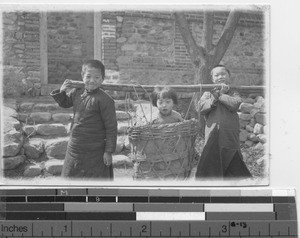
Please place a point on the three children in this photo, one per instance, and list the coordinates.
(94, 128)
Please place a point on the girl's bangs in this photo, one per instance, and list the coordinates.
(164, 94)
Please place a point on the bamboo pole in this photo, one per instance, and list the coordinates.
(179, 88)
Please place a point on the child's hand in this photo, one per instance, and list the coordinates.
(215, 92)
(66, 85)
(107, 158)
(224, 89)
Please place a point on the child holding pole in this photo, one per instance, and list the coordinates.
(94, 127)
(221, 156)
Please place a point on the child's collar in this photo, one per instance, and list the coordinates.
(89, 92)
(86, 92)
(165, 115)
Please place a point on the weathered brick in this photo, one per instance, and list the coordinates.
(244, 56)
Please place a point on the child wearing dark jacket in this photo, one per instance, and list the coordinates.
(94, 128)
(221, 156)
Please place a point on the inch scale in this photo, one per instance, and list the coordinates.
(148, 229)
(127, 212)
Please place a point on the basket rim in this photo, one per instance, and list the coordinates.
(191, 121)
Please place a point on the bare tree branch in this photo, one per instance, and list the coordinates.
(226, 36)
(196, 53)
(204, 57)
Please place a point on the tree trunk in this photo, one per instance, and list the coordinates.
(195, 52)
(208, 25)
(226, 36)
(205, 74)
(206, 56)
(201, 74)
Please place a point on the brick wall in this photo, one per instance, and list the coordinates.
(150, 50)
(21, 52)
(70, 41)
(21, 40)
(138, 46)
(109, 41)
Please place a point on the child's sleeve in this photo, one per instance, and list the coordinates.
(63, 99)
(207, 103)
(108, 113)
(232, 102)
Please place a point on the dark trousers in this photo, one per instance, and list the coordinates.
(216, 162)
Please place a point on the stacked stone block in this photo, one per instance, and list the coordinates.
(37, 135)
(253, 122)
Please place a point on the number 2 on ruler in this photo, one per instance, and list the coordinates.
(144, 228)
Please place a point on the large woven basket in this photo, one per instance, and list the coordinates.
(164, 151)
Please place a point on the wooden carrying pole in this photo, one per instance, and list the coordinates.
(181, 88)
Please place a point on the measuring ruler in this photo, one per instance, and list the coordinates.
(147, 212)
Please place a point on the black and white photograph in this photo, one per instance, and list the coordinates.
(136, 95)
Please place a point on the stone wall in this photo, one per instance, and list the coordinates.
(36, 134)
(149, 48)
(253, 121)
(70, 41)
(21, 52)
(138, 47)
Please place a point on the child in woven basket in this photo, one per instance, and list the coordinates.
(164, 99)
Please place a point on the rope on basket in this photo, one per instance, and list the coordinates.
(192, 100)
(137, 96)
(127, 107)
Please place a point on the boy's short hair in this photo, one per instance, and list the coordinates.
(97, 64)
(163, 92)
(222, 66)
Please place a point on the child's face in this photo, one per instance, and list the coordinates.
(220, 75)
(165, 106)
(92, 78)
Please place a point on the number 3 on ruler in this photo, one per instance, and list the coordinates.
(224, 228)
